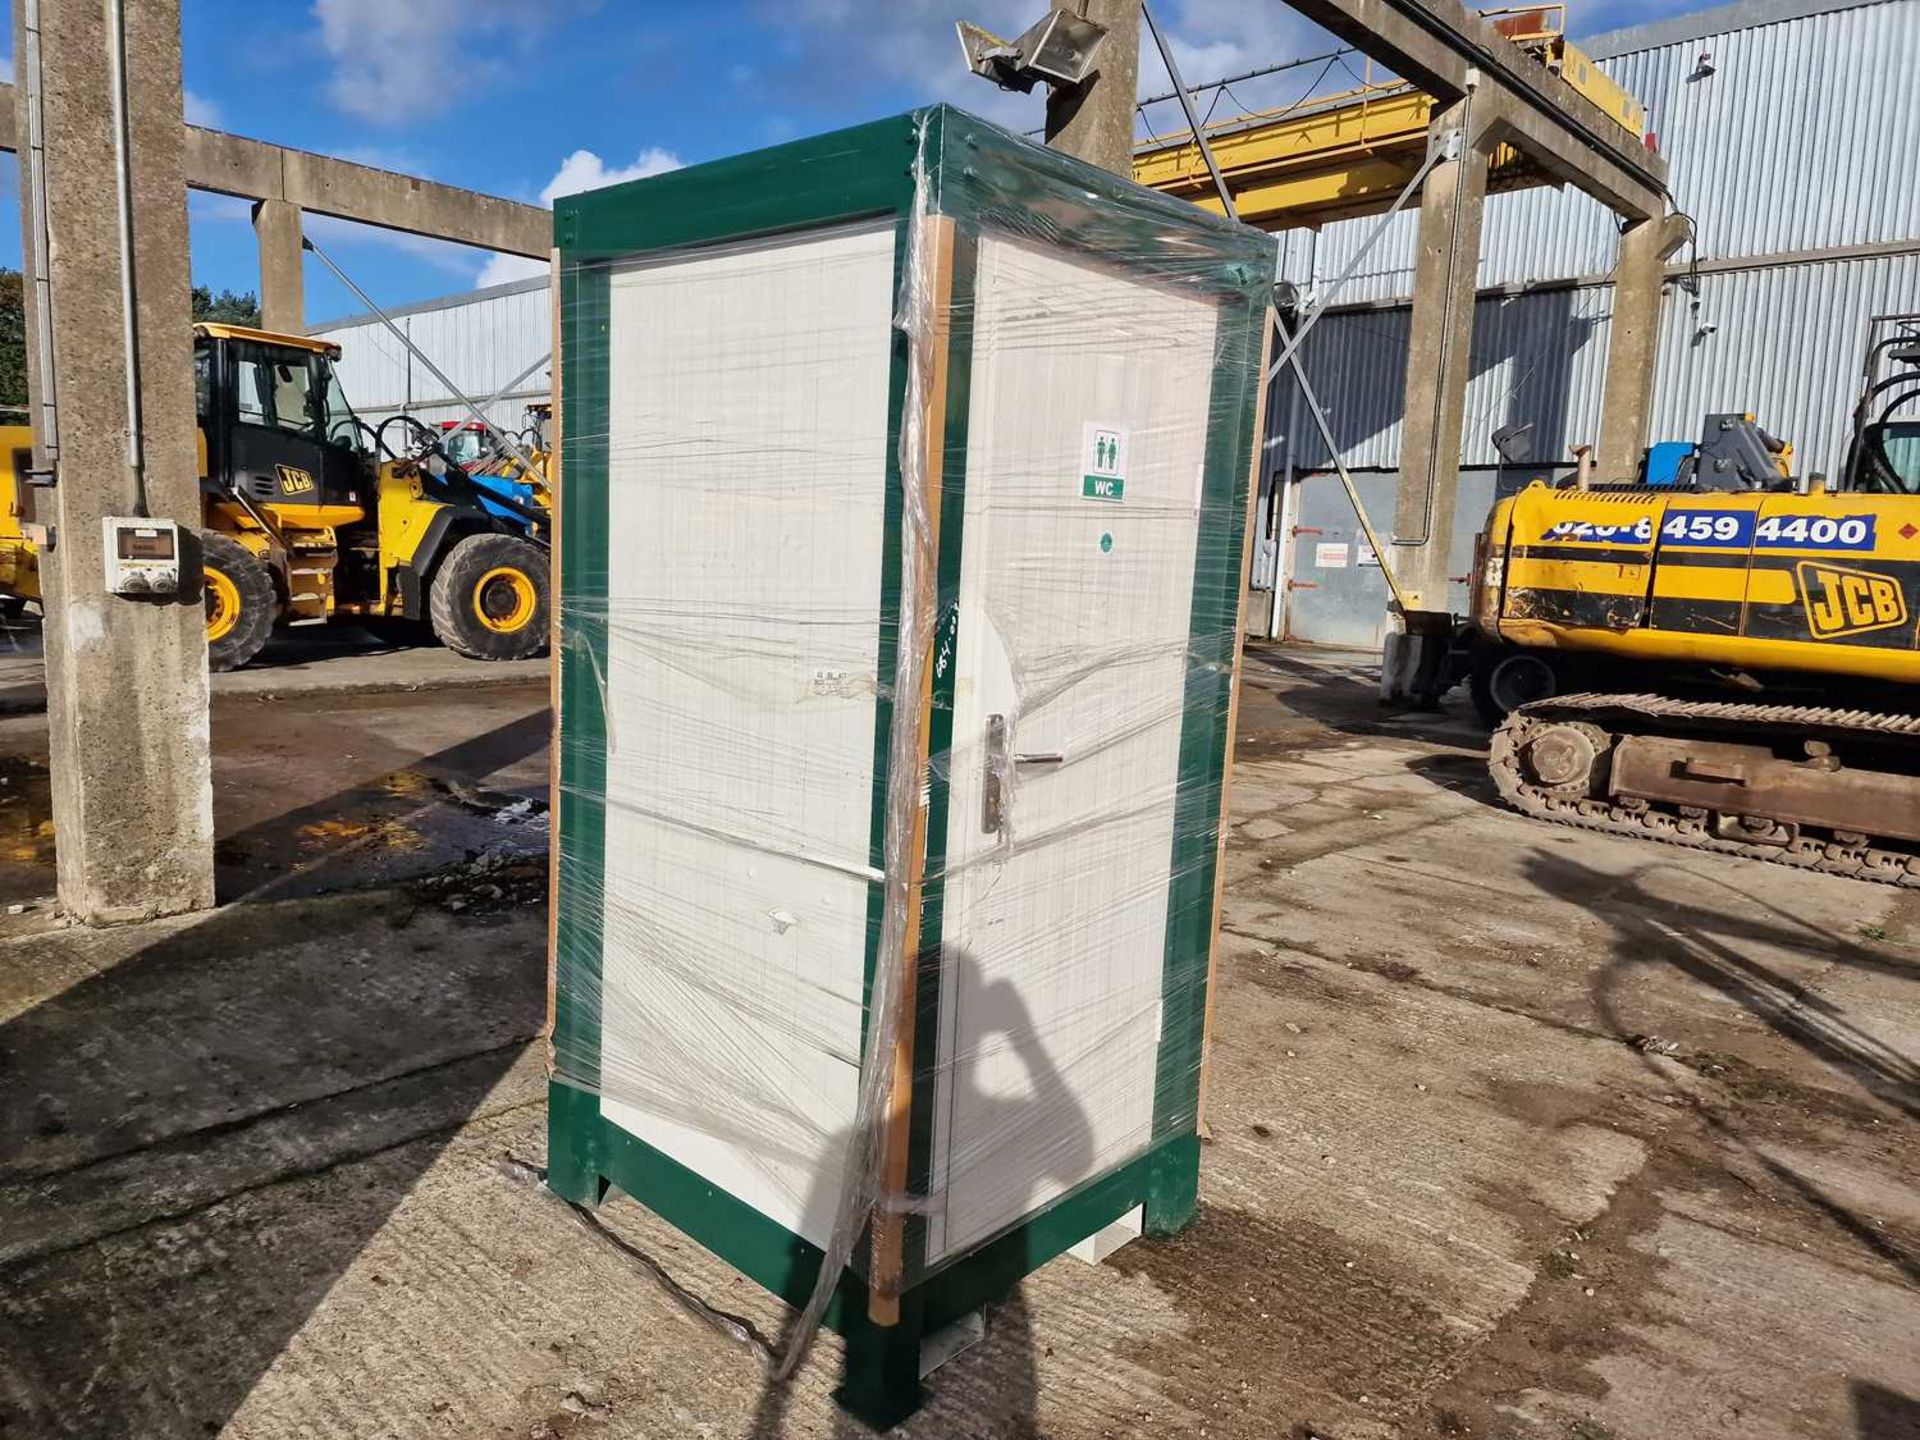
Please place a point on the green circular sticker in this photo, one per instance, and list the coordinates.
(1106, 543)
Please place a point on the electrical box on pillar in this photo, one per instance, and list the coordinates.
(887, 852)
(142, 556)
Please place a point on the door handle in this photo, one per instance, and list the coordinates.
(999, 766)
(993, 782)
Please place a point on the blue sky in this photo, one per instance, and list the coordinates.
(526, 97)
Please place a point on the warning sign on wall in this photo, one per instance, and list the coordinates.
(1103, 461)
(1330, 556)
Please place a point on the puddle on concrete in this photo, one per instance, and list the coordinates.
(387, 834)
(26, 829)
(396, 827)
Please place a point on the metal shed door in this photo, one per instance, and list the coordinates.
(1086, 435)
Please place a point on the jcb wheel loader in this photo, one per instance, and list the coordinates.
(309, 514)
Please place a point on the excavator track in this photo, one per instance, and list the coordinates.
(1602, 719)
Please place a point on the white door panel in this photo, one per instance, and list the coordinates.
(747, 459)
(1073, 629)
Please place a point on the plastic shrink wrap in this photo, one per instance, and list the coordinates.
(904, 493)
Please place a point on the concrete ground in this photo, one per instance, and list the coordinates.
(335, 762)
(335, 659)
(1515, 1132)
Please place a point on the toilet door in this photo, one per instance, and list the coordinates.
(1086, 437)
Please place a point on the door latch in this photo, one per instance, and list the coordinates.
(999, 763)
(993, 782)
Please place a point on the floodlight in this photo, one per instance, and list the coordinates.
(1059, 50)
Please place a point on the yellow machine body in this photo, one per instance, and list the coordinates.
(19, 561)
(406, 516)
(1822, 582)
(325, 532)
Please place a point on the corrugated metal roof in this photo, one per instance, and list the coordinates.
(1679, 29)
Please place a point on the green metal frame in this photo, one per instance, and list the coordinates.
(983, 179)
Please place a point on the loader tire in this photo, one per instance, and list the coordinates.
(241, 605)
(490, 598)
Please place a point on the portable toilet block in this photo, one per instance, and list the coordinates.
(904, 493)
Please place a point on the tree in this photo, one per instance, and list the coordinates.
(229, 307)
(13, 341)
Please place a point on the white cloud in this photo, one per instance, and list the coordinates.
(500, 269)
(582, 170)
(378, 48)
(202, 111)
(222, 209)
(6, 68)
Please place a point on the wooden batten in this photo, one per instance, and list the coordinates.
(1233, 719)
(934, 246)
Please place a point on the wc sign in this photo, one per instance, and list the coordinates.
(1103, 462)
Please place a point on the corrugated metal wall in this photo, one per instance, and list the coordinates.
(1335, 595)
(481, 341)
(1802, 138)
(1784, 342)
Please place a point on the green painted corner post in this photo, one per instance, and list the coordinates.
(573, 1150)
(880, 1383)
(1173, 1187)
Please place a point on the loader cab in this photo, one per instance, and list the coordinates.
(1883, 456)
(465, 444)
(1887, 459)
(279, 432)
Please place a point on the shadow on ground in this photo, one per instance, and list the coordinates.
(1294, 699)
(1882, 1414)
(1716, 949)
(187, 1066)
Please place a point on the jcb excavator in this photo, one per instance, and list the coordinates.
(1730, 660)
(308, 513)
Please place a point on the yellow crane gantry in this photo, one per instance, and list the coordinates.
(1351, 153)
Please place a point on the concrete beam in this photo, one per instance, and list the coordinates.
(283, 278)
(1633, 341)
(1441, 45)
(126, 677)
(321, 185)
(1095, 121)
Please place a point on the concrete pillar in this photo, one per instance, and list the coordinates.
(1633, 343)
(1438, 366)
(126, 678)
(283, 290)
(1095, 121)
